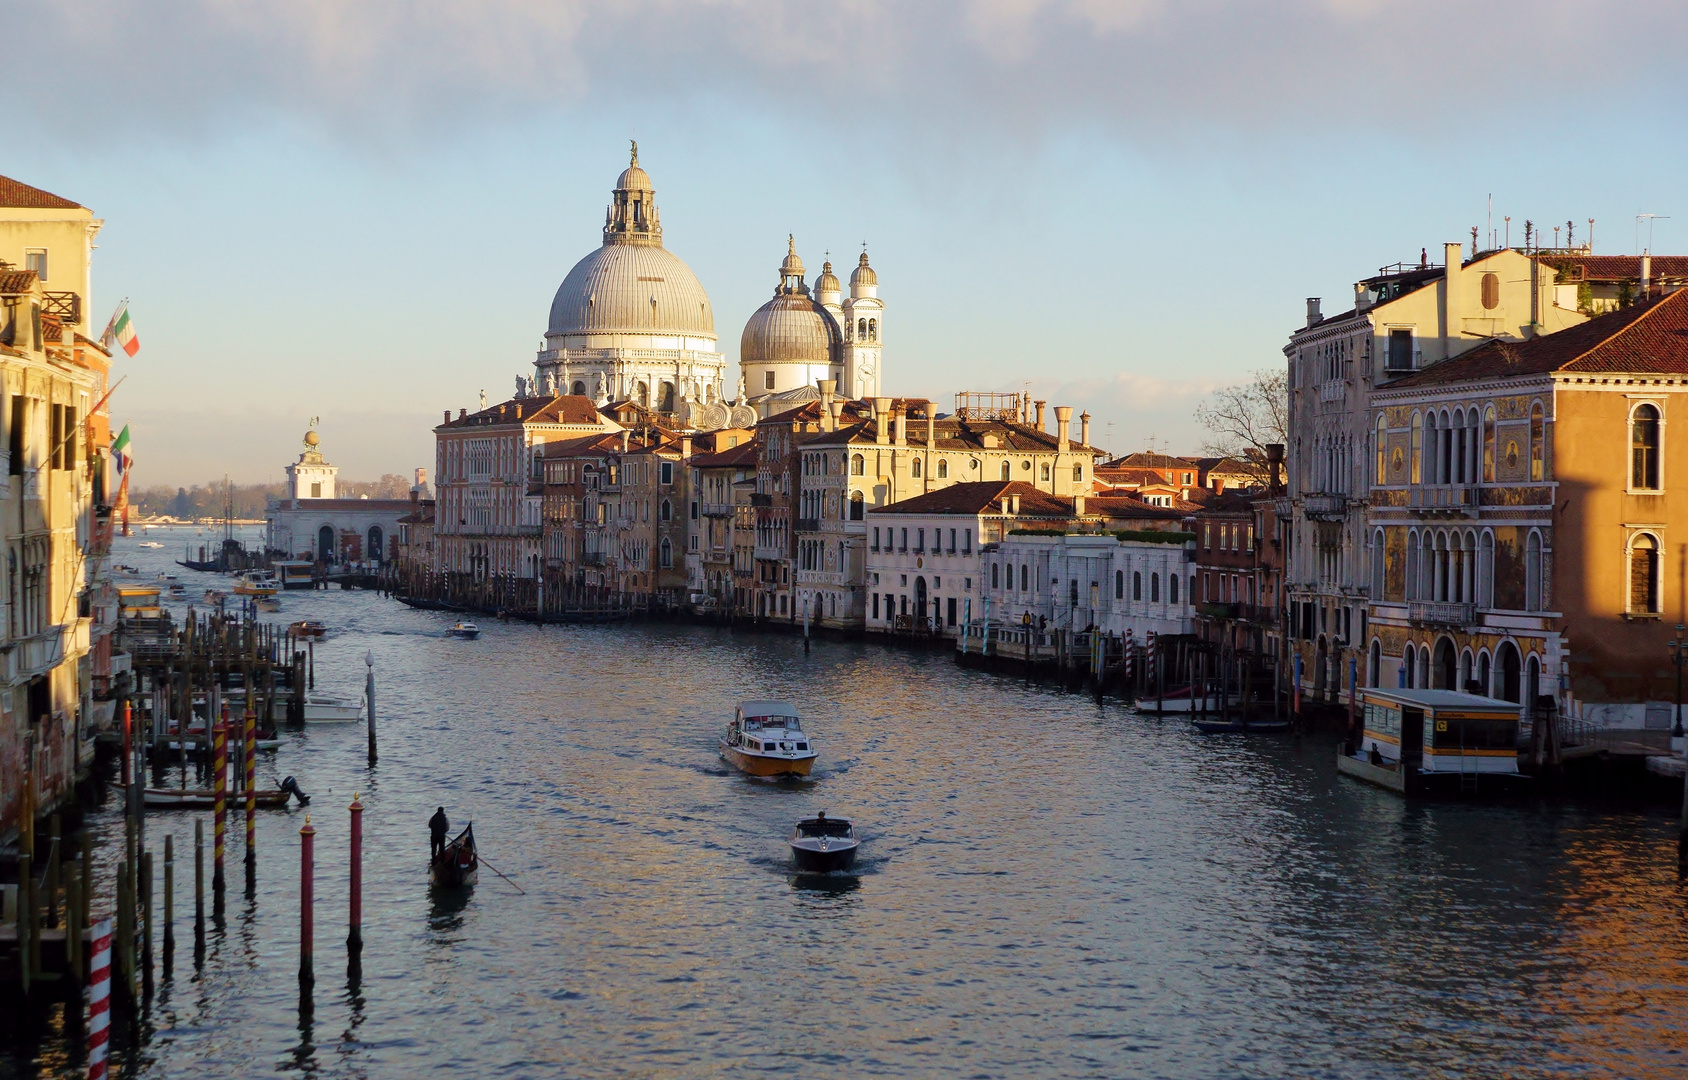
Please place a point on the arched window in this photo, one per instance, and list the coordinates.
(1532, 573)
(667, 512)
(373, 550)
(1490, 291)
(1007, 473)
(1644, 575)
(1417, 455)
(1377, 566)
(1172, 588)
(578, 389)
(1078, 474)
(943, 469)
(1538, 442)
(914, 469)
(1644, 448)
(1483, 674)
(1025, 578)
(1119, 584)
(858, 467)
(1044, 472)
(1489, 444)
(996, 575)
(873, 329)
(1464, 671)
(1412, 565)
(1486, 571)
(1376, 664)
(1137, 584)
(1508, 661)
(643, 393)
(1154, 588)
(861, 329)
(667, 553)
(858, 506)
(1409, 664)
(1380, 470)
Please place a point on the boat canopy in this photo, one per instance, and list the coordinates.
(764, 710)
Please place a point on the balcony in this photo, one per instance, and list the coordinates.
(66, 305)
(808, 524)
(717, 510)
(1325, 507)
(1444, 500)
(1441, 613)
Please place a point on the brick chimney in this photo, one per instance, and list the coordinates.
(1039, 405)
(447, 419)
(1084, 429)
(1063, 423)
(685, 448)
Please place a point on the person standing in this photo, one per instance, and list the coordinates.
(438, 826)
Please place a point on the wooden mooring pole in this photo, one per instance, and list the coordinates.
(307, 968)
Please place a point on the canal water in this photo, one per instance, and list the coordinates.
(1048, 888)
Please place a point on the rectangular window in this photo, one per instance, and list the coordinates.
(876, 607)
(952, 542)
(36, 259)
(919, 540)
(1400, 350)
(316, 490)
(904, 546)
(949, 611)
(876, 538)
(668, 472)
(967, 541)
(767, 380)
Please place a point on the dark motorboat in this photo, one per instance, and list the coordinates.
(820, 844)
(1221, 727)
(457, 864)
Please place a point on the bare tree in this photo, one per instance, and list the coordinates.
(1241, 421)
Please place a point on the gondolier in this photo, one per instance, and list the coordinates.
(438, 826)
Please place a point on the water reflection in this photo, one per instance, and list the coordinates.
(1046, 889)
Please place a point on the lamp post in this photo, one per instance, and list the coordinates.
(1678, 653)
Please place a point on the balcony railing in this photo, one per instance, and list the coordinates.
(1441, 613)
(1324, 505)
(1449, 498)
(66, 305)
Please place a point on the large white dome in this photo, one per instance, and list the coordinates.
(631, 288)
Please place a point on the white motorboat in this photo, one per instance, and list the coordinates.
(332, 710)
(767, 739)
(466, 630)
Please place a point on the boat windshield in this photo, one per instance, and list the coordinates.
(829, 827)
(757, 723)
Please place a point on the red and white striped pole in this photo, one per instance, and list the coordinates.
(219, 805)
(250, 726)
(99, 998)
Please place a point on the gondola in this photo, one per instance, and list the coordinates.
(457, 864)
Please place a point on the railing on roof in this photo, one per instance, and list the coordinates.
(66, 305)
(974, 405)
(1395, 269)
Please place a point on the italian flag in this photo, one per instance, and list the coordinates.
(120, 450)
(122, 330)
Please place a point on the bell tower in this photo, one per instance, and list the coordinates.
(311, 477)
(863, 322)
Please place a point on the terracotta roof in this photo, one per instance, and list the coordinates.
(562, 409)
(1650, 337)
(591, 445)
(1127, 507)
(741, 456)
(16, 193)
(985, 497)
(1619, 267)
(1140, 477)
(13, 282)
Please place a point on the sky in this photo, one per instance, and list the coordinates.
(360, 211)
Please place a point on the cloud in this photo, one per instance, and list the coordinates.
(408, 67)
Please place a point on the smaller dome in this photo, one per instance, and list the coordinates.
(827, 282)
(863, 273)
(633, 178)
(792, 266)
(790, 328)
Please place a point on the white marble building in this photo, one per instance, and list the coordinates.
(311, 522)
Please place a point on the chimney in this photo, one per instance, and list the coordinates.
(829, 387)
(1078, 505)
(1313, 315)
(836, 411)
(1274, 464)
(685, 448)
(1039, 405)
(931, 432)
(1004, 502)
(1646, 272)
(1014, 504)
(1362, 297)
(447, 419)
(462, 414)
(626, 436)
(1451, 322)
(1084, 429)
(902, 427)
(881, 420)
(1063, 424)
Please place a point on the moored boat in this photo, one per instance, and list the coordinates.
(466, 630)
(766, 738)
(457, 864)
(255, 585)
(821, 844)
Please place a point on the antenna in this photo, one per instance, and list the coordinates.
(1591, 236)
(1491, 219)
(1650, 219)
(1509, 230)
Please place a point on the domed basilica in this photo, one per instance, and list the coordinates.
(632, 322)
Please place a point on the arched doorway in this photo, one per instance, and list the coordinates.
(1321, 662)
(1443, 673)
(325, 543)
(578, 389)
(1532, 681)
(1376, 663)
(1509, 671)
(1409, 658)
(374, 547)
(920, 597)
